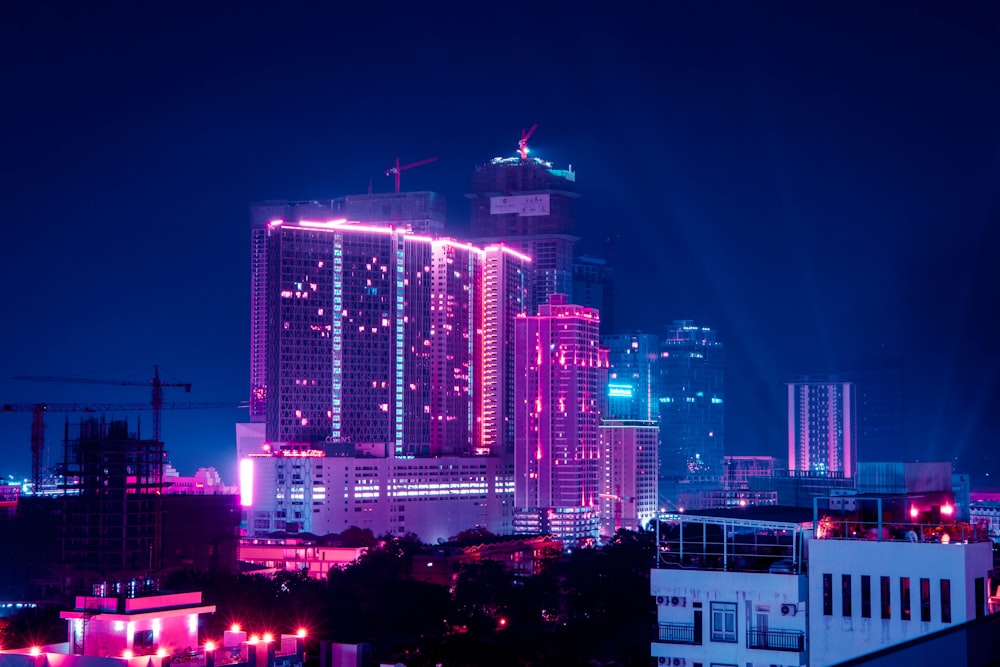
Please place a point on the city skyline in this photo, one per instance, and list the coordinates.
(814, 186)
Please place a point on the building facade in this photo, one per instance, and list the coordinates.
(692, 409)
(556, 446)
(822, 426)
(308, 491)
(632, 376)
(375, 342)
(628, 474)
(416, 212)
(527, 204)
(594, 287)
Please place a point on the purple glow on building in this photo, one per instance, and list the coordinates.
(557, 451)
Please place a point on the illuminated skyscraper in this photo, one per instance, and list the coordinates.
(556, 448)
(628, 474)
(692, 408)
(822, 426)
(506, 288)
(632, 376)
(377, 337)
(526, 204)
(419, 212)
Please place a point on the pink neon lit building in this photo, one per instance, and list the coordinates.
(556, 447)
(822, 428)
(377, 337)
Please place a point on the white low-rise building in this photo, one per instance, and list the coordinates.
(731, 591)
(305, 491)
(874, 583)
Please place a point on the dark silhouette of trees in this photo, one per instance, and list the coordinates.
(589, 607)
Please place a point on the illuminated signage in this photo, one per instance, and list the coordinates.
(523, 205)
(620, 390)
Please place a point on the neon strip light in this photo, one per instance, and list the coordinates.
(246, 482)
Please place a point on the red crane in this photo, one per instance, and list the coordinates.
(156, 403)
(522, 145)
(397, 170)
(38, 411)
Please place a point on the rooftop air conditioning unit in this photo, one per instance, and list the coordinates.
(789, 609)
(663, 660)
(660, 599)
(676, 601)
(679, 662)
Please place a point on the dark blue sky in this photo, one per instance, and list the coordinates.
(818, 181)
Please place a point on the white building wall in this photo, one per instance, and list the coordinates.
(432, 497)
(775, 600)
(835, 636)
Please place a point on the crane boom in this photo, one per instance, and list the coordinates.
(522, 145)
(397, 170)
(38, 411)
(156, 402)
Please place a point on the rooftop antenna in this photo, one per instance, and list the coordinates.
(522, 145)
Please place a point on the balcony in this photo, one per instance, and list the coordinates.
(678, 633)
(776, 640)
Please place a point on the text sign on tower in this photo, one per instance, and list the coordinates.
(522, 205)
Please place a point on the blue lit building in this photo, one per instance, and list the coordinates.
(632, 376)
(692, 409)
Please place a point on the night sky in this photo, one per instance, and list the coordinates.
(817, 181)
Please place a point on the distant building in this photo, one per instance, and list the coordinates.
(522, 556)
(204, 482)
(376, 338)
(311, 491)
(881, 401)
(527, 204)
(633, 381)
(417, 212)
(628, 475)
(822, 426)
(594, 287)
(297, 555)
(557, 453)
(692, 409)
(111, 507)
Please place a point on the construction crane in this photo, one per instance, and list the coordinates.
(38, 411)
(156, 403)
(397, 170)
(522, 145)
(618, 499)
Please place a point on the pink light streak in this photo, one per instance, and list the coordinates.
(246, 482)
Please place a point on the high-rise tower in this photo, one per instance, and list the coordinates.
(557, 453)
(526, 203)
(633, 380)
(822, 426)
(692, 408)
(377, 338)
(418, 212)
